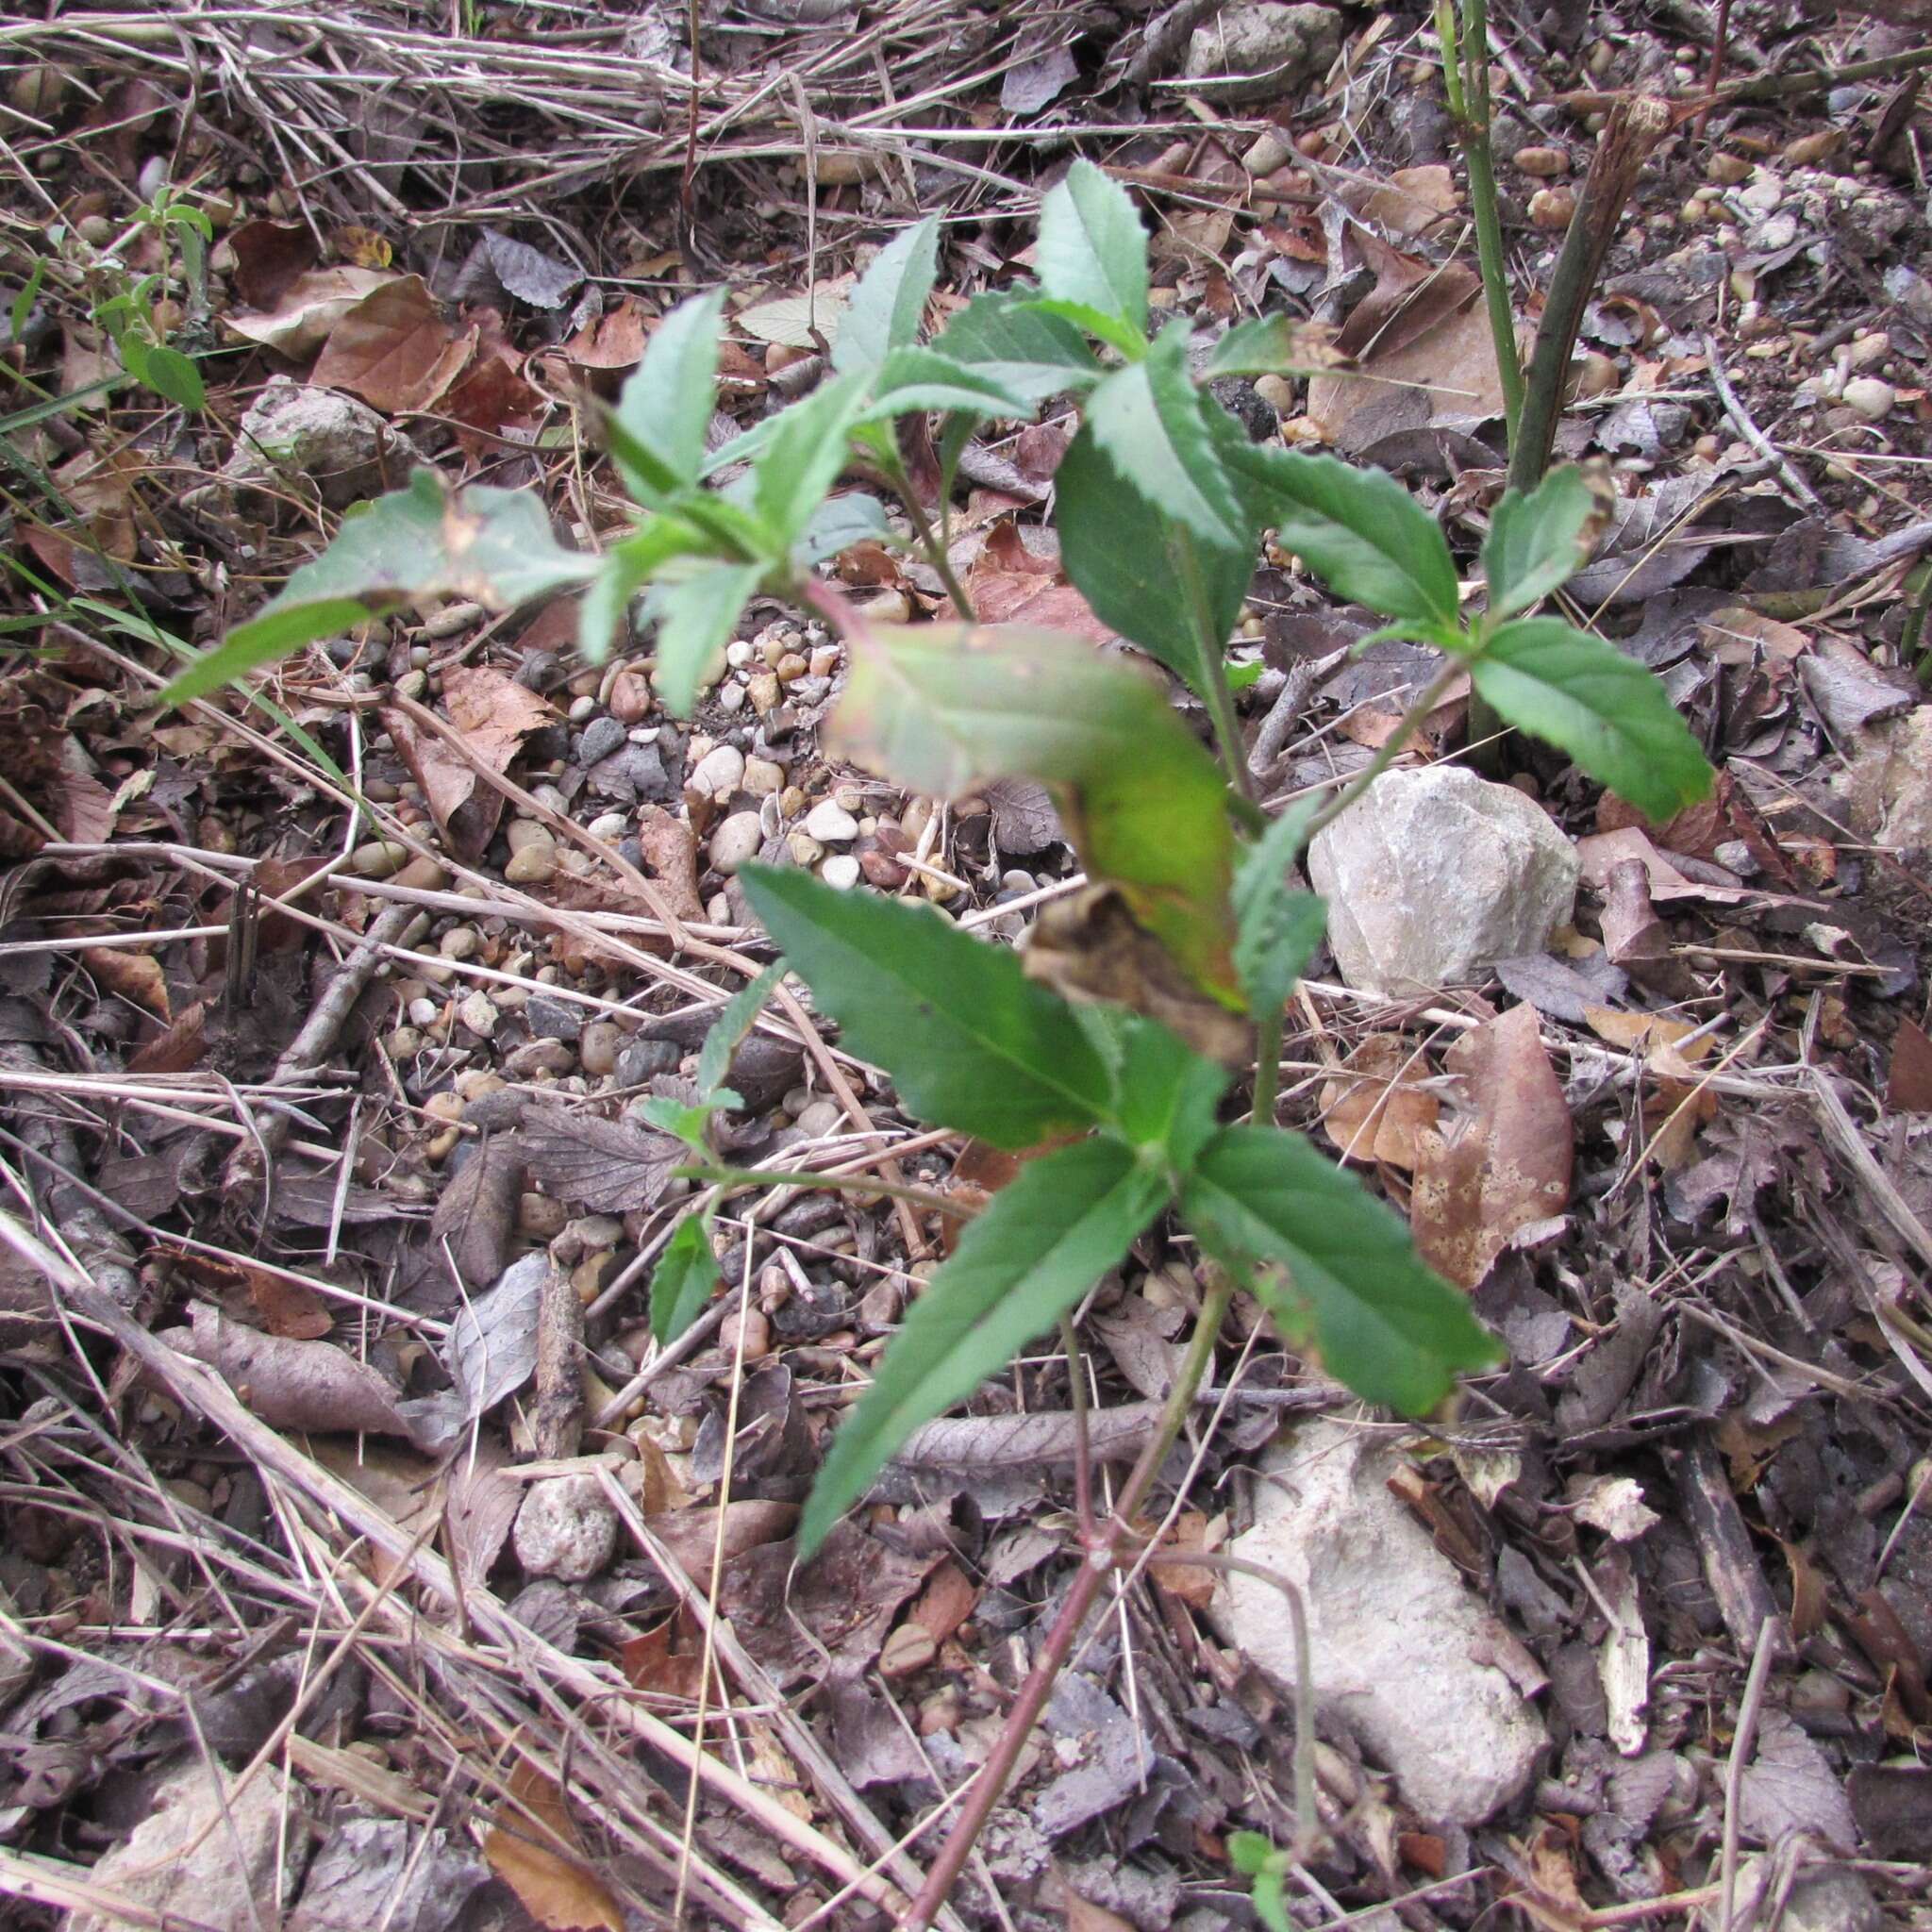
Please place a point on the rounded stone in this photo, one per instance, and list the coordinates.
(1871, 397)
(479, 1013)
(841, 870)
(566, 1528)
(534, 865)
(736, 841)
(830, 823)
(718, 773)
(598, 1046)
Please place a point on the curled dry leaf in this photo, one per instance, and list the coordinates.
(1504, 1161)
(1379, 1102)
(307, 310)
(269, 258)
(477, 1210)
(291, 1384)
(1010, 584)
(494, 714)
(393, 349)
(130, 975)
(492, 1349)
(598, 1164)
(1675, 1104)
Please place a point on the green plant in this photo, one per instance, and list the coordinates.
(1162, 504)
(128, 307)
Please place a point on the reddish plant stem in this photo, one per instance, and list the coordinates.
(1098, 1558)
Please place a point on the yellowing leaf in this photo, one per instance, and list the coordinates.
(561, 1895)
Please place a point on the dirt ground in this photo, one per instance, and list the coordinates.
(327, 1012)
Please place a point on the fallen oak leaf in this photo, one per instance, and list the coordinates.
(534, 1846)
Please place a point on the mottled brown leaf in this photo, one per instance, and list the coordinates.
(1503, 1161)
(477, 1212)
(393, 349)
(600, 1164)
(295, 1385)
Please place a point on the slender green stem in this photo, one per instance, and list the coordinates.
(1213, 655)
(805, 1177)
(933, 550)
(1267, 1068)
(1083, 1452)
(1911, 643)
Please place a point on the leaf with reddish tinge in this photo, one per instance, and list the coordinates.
(1380, 1104)
(535, 1848)
(1505, 1162)
(393, 349)
(494, 714)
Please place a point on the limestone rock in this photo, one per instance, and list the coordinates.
(1258, 51)
(232, 1863)
(1888, 783)
(1434, 874)
(1397, 1639)
(317, 439)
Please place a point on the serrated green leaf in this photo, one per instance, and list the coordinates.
(1142, 571)
(945, 708)
(1358, 530)
(494, 545)
(1045, 1240)
(913, 380)
(687, 1121)
(1006, 336)
(696, 617)
(1271, 1902)
(624, 569)
(887, 305)
(969, 1041)
(809, 448)
(736, 1018)
(1388, 1327)
(1279, 927)
(170, 374)
(1150, 422)
(685, 1278)
(1606, 711)
(1264, 345)
(1114, 330)
(1093, 248)
(666, 404)
(1535, 543)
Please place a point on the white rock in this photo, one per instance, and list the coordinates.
(1397, 1641)
(1435, 874)
(841, 870)
(1871, 397)
(329, 442)
(1763, 195)
(191, 1856)
(479, 1013)
(1258, 51)
(718, 773)
(566, 1528)
(830, 823)
(736, 841)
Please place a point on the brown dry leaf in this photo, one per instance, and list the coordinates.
(1378, 1102)
(1190, 1584)
(1090, 947)
(77, 801)
(393, 349)
(1009, 584)
(1675, 1105)
(252, 1294)
(1422, 353)
(477, 1212)
(690, 1536)
(614, 340)
(1413, 200)
(490, 398)
(494, 714)
(1505, 1162)
(270, 258)
(362, 246)
(604, 1165)
(669, 852)
(1909, 1087)
(667, 1658)
(295, 1385)
(950, 1597)
(534, 1847)
(84, 360)
(131, 975)
(480, 1506)
(177, 1049)
(308, 309)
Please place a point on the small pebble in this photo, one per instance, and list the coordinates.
(791, 667)
(477, 1011)
(630, 697)
(522, 832)
(424, 1012)
(427, 876)
(566, 1528)
(739, 652)
(1780, 231)
(598, 1046)
(538, 1214)
(1727, 170)
(736, 841)
(841, 870)
(1867, 352)
(818, 1117)
(378, 859)
(412, 684)
(830, 823)
(1870, 397)
(806, 851)
(602, 736)
(717, 774)
(763, 691)
(537, 1058)
(549, 1018)
(611, 825)
(1544, 162)
(1552, 207)
(762, 778)
(404, 1043)
(732, 698)
(1763, 195)
(584, 708)
(460, 943)
(824, 660)
(757, 1332)
(535, 864)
